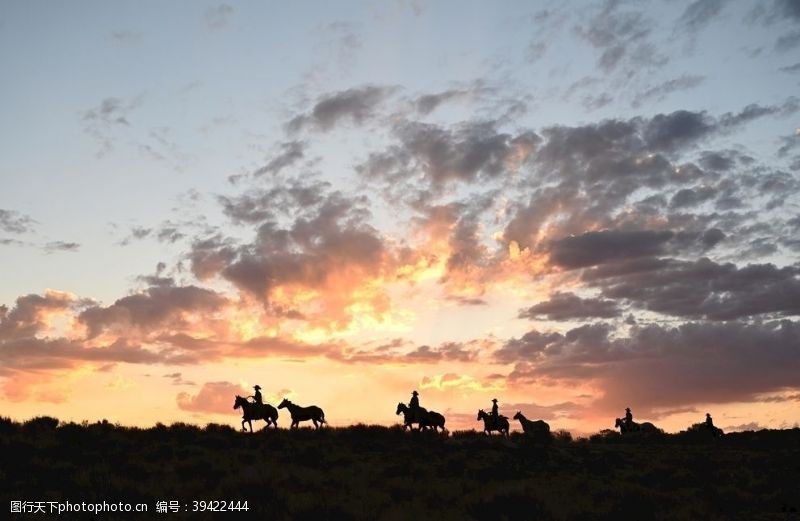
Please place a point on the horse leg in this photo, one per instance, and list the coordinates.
(243, 429)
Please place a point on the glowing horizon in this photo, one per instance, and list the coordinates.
(573, 209)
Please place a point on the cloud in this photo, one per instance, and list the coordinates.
(662, 90)
(356, 105)
(593, 248)
(124, 36)
(622, 37)
(213, 397)
(702, 288)
(104, 121)
(156, 307)
(427, 103)
(661, 366)
(791, 68)
(568, 306)
(15, 222)
(291, 152)
(469, 152)
(700, 13)
(31, 313)
(54, 246)
(219, 16)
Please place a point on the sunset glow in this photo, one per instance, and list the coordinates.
(571, 208)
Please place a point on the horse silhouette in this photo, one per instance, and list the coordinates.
(256, 411)
(490, 424)
(301, 414)
(410, 417)
(433, 420)
(423, 418)
(704, 430)
(532, 427)
(644, 427)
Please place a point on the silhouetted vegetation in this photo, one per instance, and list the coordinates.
(372, 472)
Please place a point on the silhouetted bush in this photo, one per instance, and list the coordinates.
(374, 472)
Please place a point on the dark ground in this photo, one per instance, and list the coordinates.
(367, 472)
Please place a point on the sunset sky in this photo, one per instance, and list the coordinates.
(574, 207)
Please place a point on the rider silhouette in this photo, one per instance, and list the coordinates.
(495, 411)
(257, 396)
(709, 422)
(628, 417)
(413, 404)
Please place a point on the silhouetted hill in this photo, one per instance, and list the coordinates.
(371, 472)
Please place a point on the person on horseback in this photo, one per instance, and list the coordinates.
(495, 411)
(709, 422)
(257, 396)
(413, 404)
(628, 417)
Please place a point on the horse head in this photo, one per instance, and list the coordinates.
(518, 416)
(284, 403)
(481, 415)
(619, 423)
(401, 407)
(239, 402)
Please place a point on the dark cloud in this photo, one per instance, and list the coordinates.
(622, 37)
(156, 307)
(659, 366)
(791, 68)
(592, 248)
(468, 152)
(700, 13)
(662, 90)
(35, 354)
(568, 306)
(290, 153)
(701, 288)
(427, 103)
(54, 246)
(787, 41)
(356, 105)
(15, 222)
(687, 197)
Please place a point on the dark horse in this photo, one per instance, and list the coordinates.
(491, 424)
(409, 417)
(253, 411)
(423, 417)
(301, 414)
(645, 427)
(533, 427)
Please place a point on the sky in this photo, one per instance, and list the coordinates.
(572, 207)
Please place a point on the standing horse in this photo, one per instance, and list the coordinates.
(532, 427)
(255, 411)
(301, 414)
(644, 427)
(490, 424)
